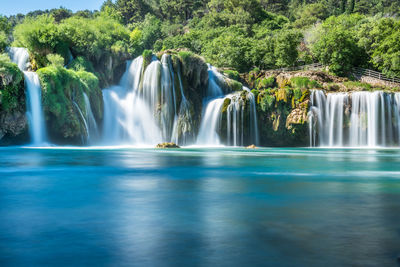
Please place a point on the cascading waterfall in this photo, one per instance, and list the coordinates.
(143, 109)
(183, 125)
(93, 130)
(34, 113)
(211, 123)
(211, 119)
(236, 119)
(253, 117)
(359, 119)
(83, 120)
(127, 117)
(210, 127)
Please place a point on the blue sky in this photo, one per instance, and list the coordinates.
(12, 7)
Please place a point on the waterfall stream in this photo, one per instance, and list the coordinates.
(358, 119)
(93, 130)
(34, 112)
(210, 128)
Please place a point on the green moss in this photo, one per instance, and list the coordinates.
(352, 85)
(147, 57)
(235, 85)
(305, 93)
(267, 102)
(304, 83)
(232, 74)
(255, 93)
(297, 93)
(225, 105)
(185, 55)
(262, 83)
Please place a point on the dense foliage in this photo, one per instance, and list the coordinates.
(240, 35)
(63, 93)
(11, 85)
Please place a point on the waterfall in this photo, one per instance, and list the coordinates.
(183, 125)
(236, 134)
(143, 109)
(127, 117)
(93, 130)
(214, 77)
(253, 117)
(83, 120)
(210, 124)
(33, 92)
(358, 119)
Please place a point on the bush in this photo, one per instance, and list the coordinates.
(266, 82)
(55, 60)
(304, 83)
(81, 64)
(232, 74)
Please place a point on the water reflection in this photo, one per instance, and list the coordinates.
(224, 207)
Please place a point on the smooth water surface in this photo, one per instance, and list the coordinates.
(199, 207)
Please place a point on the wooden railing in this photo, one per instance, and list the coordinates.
(357, 72)
(314, 66)
(360, 72)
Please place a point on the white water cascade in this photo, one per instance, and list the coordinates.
(359, 119)
(34, 113)
(211, 119)
(144, 110)
(93, 129)
(127, 118)
(210, 128)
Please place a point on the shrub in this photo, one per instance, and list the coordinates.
(55, 60)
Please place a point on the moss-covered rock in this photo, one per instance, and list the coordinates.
(282, 116)
(167, 145)
(304, 83)
(63, 102)
(263, 83)
(13, 121)
(232, 74)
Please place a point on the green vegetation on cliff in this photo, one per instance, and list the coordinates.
(11, 85)
(62, 95)
(12, 103)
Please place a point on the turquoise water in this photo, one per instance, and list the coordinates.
(199, 207)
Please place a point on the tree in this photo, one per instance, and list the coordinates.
(310, 14)
(180, 10)
(337, 45)
(351, 6)
(41, 36)
(60, 14)
(230, 49)
(132, 10)
(286, 44)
